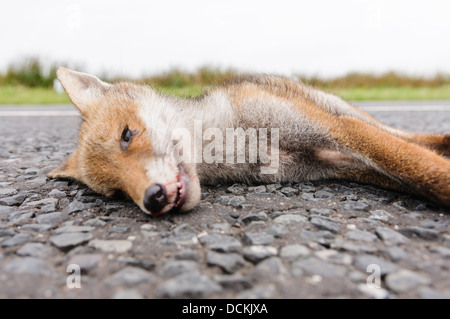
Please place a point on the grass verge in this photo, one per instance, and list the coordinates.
(25, 95)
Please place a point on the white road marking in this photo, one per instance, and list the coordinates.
(379, 108)
(406, 108)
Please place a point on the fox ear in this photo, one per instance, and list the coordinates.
(82, 88)
(70, 169)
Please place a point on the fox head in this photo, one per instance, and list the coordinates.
(125, 144)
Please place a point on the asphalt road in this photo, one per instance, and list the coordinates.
(305, 240)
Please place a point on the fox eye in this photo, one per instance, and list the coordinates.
(126, 137)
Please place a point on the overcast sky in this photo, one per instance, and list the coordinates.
(320, 37)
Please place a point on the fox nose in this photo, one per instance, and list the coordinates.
(155, 198)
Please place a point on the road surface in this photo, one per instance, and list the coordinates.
(304, 240)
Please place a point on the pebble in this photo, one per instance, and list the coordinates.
(39, 203)
(360, 235)
(75, 207)
(321, 211)
(13, 200)
(120, 229)
(257, 189)
(30, 266)
(433, 224)
(308, 197)
(56, 193)
(390, 237)
(358, 205)
(443, 251)
(340, 244)
(222, 228)
(222, 243)
(7, 232)
(52, 218)
(314, 266)
(70, 240)
(321, 236)
(289, 191)
(8, 191)
(258, 292)
(323, 194)
(39, 228)
(306, 188)
(86, 262)
(95, 222)
(235, 282)
(74, 229)
(271, 188)
(256, 253)
(277, 230)
(184, 228)
(257, 238)
(188, 286)
(404, 280)
(111, 246)
(127, 294)
(237, 189)
(174, 268)
(181, 239)
(255, 216)
(269, 269)
(187, 254)
(326, 223)
(142, 262)
(231, 200)
(288, 219)
(130, 276)
(21, 217)
(423, 233)
(50, 208)
(293, 252)
(6, 211)
(364, 261)
(227, 262)
(334, 256)
(396, 253)
(380, 215)
(16, 240)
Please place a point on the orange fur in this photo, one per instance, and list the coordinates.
(324, 137)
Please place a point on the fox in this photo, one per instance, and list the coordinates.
(126, 141)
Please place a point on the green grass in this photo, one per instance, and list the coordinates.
(25, 95)
(393, 93)
(188, 91)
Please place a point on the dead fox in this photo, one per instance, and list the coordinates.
(126, 141)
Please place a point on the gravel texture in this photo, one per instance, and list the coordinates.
(303, 240)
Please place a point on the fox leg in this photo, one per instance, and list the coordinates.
(337, 165)
(409, 164)
(439, 143)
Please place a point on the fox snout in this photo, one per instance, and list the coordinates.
(155, 198)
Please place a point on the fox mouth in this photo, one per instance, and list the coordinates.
(182, 183)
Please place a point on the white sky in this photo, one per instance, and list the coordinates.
(314, 37)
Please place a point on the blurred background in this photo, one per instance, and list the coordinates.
(360, 50)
